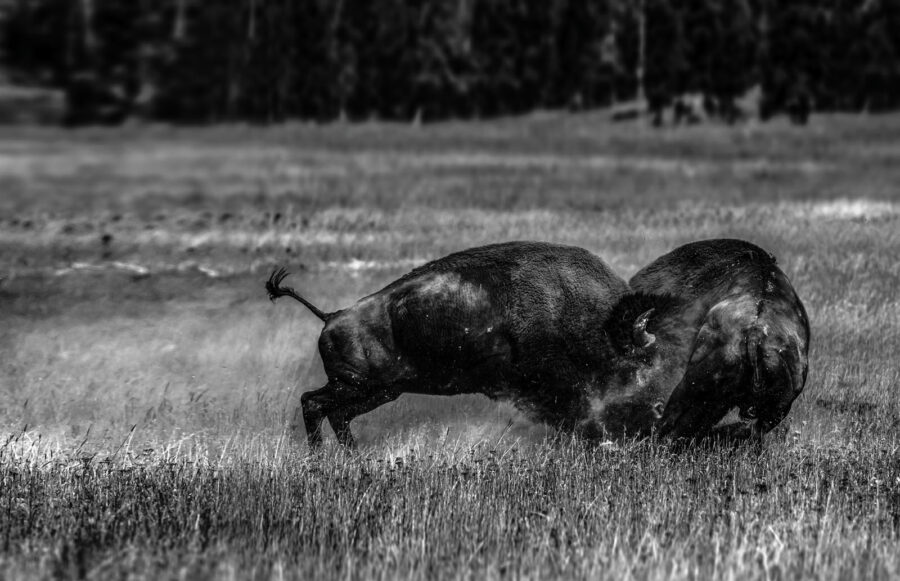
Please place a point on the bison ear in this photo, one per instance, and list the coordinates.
(639, 334)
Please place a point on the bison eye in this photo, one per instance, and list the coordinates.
(639, 333)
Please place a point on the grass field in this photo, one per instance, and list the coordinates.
(146, 383)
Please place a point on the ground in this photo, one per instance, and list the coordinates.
(146, 383)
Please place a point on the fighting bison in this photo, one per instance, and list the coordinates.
(748, 337)
(550, 328)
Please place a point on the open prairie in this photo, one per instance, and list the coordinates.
(146, 383)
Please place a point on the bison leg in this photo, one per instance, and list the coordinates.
(315, 406)
(340, 422)
(340, 418)
(338, 403)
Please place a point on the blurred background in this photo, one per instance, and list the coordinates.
(189, 61)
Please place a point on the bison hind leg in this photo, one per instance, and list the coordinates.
(341, 417)
(340, 423)
(315, 406)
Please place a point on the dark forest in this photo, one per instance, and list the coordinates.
(266, 61)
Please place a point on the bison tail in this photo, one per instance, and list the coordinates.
(275, 290)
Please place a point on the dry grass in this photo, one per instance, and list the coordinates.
(558, 509)
(144, 416)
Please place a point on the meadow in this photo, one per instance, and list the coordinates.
(147, 385)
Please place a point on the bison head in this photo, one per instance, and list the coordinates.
(648, 359)
(747, 355)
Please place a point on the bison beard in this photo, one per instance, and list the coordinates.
(521, 321)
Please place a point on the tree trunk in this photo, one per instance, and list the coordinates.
(464, 25)
(251, 21)
(338, 16)
(87, 35)
(642, 50)
(146, 91)
(179, 29)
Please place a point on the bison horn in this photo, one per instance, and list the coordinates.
(640, 336)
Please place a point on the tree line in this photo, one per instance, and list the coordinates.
(204, 61)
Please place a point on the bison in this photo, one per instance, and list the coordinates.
(748, 337)
(550, 328)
